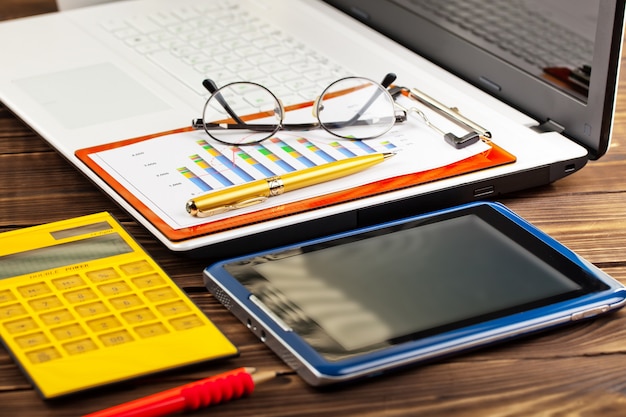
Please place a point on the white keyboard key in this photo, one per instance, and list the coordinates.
(273, 67)
(183, 50)
(291, 58)
(238, 67)
(208, 67)
(285, 76)
(259, 99)
(319, 75)
(185, 13)
(164, 19)
(251, 74)
(162, 36)
(146, 48)
(143, 24)
(126, 33)
(301, 84)
(195, 59)
(225, 58)
(137, 40)
(261, 60)
(265, 42)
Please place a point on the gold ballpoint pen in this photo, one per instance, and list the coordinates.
(244, 195)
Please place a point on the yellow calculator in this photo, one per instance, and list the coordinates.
(83, 305)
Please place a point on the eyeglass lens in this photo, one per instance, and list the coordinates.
(241, 113)
(356, 108)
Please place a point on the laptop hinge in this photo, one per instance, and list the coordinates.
(548, 126)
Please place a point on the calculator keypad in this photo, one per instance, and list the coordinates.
(96, 309)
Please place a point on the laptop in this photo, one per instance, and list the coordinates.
(541, 75)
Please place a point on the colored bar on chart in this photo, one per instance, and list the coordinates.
(293, 153)
(197, 159)
(388, 145)
(273, 158)
(344, 151)
(227, 163)
(364, 146)
(316, 150)
(194, 179)
(246, 157)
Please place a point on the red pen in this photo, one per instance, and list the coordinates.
(199, 394)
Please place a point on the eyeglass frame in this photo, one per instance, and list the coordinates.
(475, 131)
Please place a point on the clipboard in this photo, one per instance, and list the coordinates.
(492, 156)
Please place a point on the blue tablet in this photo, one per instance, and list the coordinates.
(357, 304)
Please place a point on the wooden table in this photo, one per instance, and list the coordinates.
(579, 370)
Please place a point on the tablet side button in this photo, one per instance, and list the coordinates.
(590, 313)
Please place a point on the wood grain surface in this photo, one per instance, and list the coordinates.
(579, 370)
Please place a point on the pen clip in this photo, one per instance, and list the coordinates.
(229, 207)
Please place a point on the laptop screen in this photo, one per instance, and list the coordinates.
(555, 60)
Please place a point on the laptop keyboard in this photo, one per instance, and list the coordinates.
(220, 41)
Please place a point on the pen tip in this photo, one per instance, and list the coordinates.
(191, 207)
(388, 154)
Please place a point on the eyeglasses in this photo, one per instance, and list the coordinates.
(355, 108)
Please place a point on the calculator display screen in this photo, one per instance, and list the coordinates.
(63, 254)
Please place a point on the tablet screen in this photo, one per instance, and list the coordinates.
(368, 291)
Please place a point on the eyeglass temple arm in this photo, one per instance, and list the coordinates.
(212, 88)
(387, 80)
(199, 124)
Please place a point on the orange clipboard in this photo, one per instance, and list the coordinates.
(494, 156)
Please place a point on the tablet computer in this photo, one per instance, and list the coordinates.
(361, 303)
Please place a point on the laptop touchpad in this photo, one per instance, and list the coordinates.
(91, 95)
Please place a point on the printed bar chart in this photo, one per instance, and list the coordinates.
(231, 165)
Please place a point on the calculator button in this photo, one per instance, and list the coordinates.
(185, 323)
(161, 294)
(43, 355)
(151, 330)
(116, 338)
(138, 316)
(6, 296)
(80, 346)
(45, 303)
(68, 332)
(21, 325)
(102, 275)
(114, 288)
(34, 290)
(10, 311)
(136, 267)
(31, 340)
(79, 296)
(56, 317)
(176, 307)
(92, 309)
(127, 301)
(103, 324)
(146, 281)
(66, 283)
